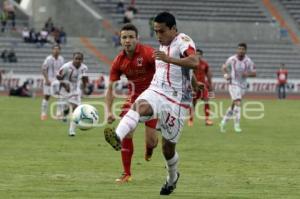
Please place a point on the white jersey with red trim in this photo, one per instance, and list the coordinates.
(52, 65)
(172, 80)
(73, 75)
(237, 68)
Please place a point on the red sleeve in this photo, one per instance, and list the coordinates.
(189, 51)
(115, 71)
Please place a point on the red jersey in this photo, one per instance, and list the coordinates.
(201, 71)
(282, 75)
(139, 69)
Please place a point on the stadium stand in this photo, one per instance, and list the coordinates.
(30, 58)
(268, 52)
(21, 19)
(267, 57)
(215, 10)
(293, 7)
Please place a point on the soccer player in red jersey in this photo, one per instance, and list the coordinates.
(282, 75)
(204, 76)
(137, 63)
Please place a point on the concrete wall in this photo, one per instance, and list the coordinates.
(221, 32)
(78, 22)
(67, 13)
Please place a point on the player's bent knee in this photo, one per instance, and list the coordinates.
(143, 108)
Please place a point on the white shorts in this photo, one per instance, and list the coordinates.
(73, 97)
(236, 92)
(169, 112)
(53, 89)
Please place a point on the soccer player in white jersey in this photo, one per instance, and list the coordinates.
(236, 70)
(169, 96)
(50, 68)
(71, 75)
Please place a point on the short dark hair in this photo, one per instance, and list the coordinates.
(130, 26)
(244, 45)
(167, 18)
(56, 46)
(200, 51)
(78, 53)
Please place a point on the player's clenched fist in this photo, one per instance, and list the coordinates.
(160, 55)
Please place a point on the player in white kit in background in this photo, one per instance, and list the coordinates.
(50, 68)
(236, 70)
(73, 78)
(168, 97)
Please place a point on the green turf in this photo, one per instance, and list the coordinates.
(39, 160)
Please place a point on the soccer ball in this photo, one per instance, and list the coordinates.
(85, 116)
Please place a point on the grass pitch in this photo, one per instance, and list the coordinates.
(39, 160)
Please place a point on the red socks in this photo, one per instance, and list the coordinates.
(127, 152)
(206, 110)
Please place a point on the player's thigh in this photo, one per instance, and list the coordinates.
(75, 99)
(47, 90)
(235, 92)
(205, 95)
(172, 117)
(151, 98)
(55, 87)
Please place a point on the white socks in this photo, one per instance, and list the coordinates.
(172, 168)
(237, 112)
(127, 124)
(60, 106)
(228, 115)
(72, 128)
(44, 107)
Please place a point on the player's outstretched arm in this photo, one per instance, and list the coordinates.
(191, 61)
(85, 81)
(109, 99)
(44, 72)
(249, 74)
(225, 72)
(197, 86)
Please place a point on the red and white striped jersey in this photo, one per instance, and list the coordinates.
(73, 75)
(237, 68)
(52, 65)
(170, 79)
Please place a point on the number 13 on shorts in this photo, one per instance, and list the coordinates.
(170, 120)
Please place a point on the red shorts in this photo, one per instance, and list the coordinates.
(126, 107)
(203, 94)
